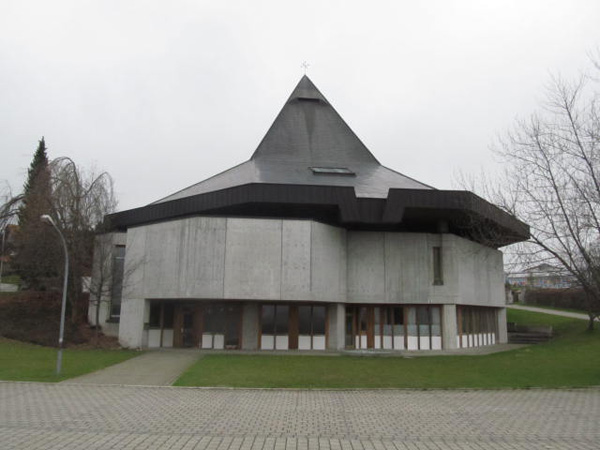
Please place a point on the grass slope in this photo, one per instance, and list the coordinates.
(28, 362)
(571, 359)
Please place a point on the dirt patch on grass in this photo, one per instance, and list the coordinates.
(34, 317)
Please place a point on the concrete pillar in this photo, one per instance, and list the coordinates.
(502, 331)
(250, 326)
(449, 331)
(131, 329)
(336, 314)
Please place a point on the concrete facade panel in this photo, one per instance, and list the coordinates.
(328, 263)
(131, 327)
(394, 289)
(366, 267)
(201, 265)
(296, 260)
(449, 330)
(502, 328)
(253, 259)
(336, 315)
(480, 274)
(162, 263)
(250, 322)
(416, 277)
(135, 263)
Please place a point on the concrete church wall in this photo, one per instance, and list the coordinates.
(262, 259)
(295, 260)
(398, 268)
(253, 259)
(480, 274)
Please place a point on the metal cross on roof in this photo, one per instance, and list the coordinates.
(305, 66)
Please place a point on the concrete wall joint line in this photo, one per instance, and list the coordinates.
(281, 259)
(225, 256)
(385, 274)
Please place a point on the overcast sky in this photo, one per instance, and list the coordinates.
(163, 94)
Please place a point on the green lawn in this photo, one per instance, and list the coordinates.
(571, 359)
(27, 362)
(11, 279)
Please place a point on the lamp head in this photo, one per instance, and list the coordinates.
(46, 218)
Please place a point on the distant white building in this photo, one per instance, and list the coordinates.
(311, 244)
(542, 276)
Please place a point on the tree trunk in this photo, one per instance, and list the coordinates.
(97, 323)
(591, 322)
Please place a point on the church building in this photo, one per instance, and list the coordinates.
(311, 244)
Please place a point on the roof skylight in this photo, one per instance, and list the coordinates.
(331, 171)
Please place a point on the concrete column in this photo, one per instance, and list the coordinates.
(502, 331)
(449, 331)
(131, 329)
(336, 313)
(250, 326)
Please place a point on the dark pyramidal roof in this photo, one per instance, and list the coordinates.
(311, 165)
(309, 133)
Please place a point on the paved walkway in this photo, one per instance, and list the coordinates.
(553, 312)
(68, 416)
(153, 368)
(5, 287)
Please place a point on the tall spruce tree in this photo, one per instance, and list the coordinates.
(37, 252)
(39, 165)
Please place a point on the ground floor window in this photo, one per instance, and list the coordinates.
(476, 326)
(293, 327)
(312, 327)
(214, 325)
(221, 325)
(393, 327)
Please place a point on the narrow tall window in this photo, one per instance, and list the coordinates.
(118, 270)
(438, 276)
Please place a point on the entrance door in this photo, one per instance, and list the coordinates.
(187, 323)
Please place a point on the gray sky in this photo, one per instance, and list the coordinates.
(165, 94)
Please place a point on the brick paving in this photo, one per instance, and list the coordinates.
(71, 416)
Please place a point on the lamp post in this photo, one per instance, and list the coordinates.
(46, 218)
(2, 256)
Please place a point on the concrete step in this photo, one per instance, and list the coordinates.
(528, 338)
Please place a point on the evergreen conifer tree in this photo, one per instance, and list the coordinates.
(38, 166)
(37, 252)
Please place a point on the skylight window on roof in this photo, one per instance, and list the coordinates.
(309, 99)
(332, 171)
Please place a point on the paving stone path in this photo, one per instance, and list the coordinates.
(153, 368)
(553, 312)
(71, 416)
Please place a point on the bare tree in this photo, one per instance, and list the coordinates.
(80, 200)
(552, 183)
(77, 200)
(9, 205)
(109, 276)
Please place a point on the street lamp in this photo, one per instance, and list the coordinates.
(46, 218)
(2, 256)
